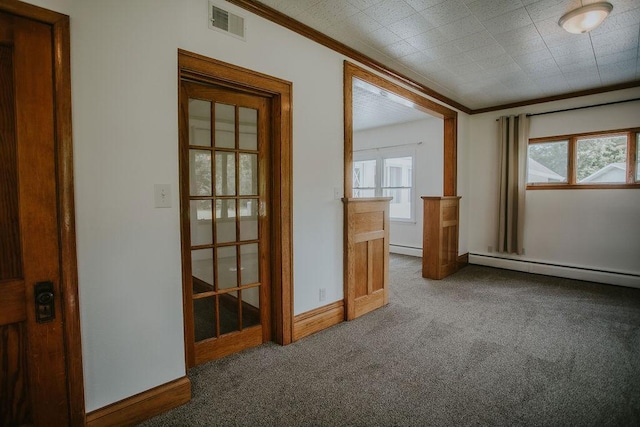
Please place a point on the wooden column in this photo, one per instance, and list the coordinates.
(440, 236)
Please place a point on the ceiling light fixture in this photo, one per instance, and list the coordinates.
(585, 18)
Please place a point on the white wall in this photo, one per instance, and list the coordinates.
(125, 123)
(593, 229)
(124, 86)
(429, 167)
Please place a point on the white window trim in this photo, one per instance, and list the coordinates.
(379, 154)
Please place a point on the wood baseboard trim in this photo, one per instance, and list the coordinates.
(463, 260)
(318, 319)
(142, 406)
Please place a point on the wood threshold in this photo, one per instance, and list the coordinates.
(317, 319)
(142, 406)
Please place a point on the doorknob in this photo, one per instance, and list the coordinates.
(44, 301)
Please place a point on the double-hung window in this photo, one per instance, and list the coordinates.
(391, 174)
(595, 160)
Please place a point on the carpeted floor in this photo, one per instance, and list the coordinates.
(482, 347)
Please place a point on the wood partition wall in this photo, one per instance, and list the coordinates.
(366, 255)
(440, 236)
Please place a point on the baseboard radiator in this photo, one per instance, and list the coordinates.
(631, 280)
(405, 250)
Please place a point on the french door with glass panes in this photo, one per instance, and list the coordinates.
(225, 205)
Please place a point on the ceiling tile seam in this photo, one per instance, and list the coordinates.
(510, 56)
(596, 58)
(544, 41)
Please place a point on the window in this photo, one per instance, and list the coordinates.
(596, 160)
(548, 162)
(364, 178)
(390, 175)
(397, 183)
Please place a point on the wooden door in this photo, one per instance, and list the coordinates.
(225, 222)
(366, 255)
(33, 380)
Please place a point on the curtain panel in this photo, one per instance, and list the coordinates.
(513, 140)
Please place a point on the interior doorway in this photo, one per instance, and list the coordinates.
(394, 173)
(235, 196)
(228, 202)
(398, 153)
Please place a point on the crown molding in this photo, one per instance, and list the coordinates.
(283, 20)
(315, 35)
(576, 94)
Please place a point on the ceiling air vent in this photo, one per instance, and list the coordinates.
(226, 22)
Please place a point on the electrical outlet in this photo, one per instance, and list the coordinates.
(322, 294)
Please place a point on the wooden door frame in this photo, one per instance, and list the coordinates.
(421, 103)
(450, 118)
(65, 198)
(198, 68)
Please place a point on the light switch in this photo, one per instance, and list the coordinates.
(337, 193)
(162, 195)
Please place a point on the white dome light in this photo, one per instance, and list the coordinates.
(585, 18)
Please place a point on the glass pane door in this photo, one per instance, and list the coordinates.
(226, 162)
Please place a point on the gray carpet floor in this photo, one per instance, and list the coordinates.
(482, 347)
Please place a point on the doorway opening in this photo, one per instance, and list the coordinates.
(397, 152)
(375, 167)
(235, 196)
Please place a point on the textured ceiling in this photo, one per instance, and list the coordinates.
(483, 53)
(373, 107)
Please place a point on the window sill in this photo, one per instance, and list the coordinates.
(403, 221)
(620, 186)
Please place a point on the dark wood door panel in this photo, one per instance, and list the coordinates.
(32, 354)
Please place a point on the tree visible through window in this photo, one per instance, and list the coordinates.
(602, 159)
(585, 160)
(548, 162)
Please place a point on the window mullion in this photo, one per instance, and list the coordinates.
(379, 177)
(571, 164)
(631, 157)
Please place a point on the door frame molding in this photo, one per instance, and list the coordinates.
(199, 68)
(65, 198)
(418, 102)
(449, 116)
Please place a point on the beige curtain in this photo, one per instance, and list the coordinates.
(513, 138)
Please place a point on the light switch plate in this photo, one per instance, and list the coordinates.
(162, 195)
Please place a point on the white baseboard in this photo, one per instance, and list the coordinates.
(569, 272)
(405, 250)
